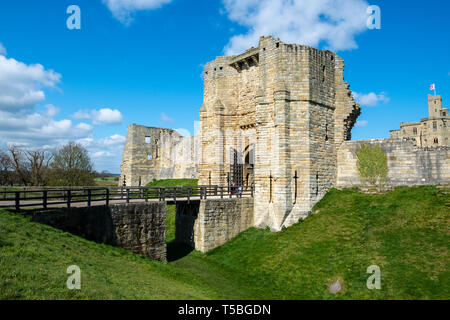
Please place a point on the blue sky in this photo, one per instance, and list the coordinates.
(142, 63)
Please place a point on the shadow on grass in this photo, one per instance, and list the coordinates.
(177, 250)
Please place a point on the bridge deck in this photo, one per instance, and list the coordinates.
(45, 198)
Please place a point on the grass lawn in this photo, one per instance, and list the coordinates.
(405, 232)
(111, 181)
(107, 179)
(173, 183)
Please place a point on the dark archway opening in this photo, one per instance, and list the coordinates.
(184, 243)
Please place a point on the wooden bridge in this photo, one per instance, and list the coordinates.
(54, 197)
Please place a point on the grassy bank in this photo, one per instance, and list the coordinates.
(404, 232)
(173, 183)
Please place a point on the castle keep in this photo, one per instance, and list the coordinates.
(428, 132)
(274, 116)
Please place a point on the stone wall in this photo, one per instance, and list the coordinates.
(140, 228)
(210, 223)
(157, 153)
(408, 164)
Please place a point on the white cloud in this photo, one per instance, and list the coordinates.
(332, 23)
(2, 50)
(105, 152)
(113, 141)
(34, 129)
(361, 123)
(21, 85)
(183, 132)
(371, 99)
(107, 116)
(166, 118)
(102, 116)
(22, 124)
(122, 9)
(21, 88)
(82, 114)
(51, 110)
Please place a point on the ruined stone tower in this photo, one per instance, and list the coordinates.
(157, 153)
(274, 117)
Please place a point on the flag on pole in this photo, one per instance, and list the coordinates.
(433, 87)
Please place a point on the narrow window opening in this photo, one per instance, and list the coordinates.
(278, 44)
(317, 184)
(147, 139)
(149, 157)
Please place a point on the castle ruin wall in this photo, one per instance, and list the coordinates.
(157, 153)
(408, 164)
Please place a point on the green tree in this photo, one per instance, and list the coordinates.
(372, 165)
(71, 166)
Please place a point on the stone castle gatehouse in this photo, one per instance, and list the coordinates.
(279, 117)
(275, 116)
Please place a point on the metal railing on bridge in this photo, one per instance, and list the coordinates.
(45, 197)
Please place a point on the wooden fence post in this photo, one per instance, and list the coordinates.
(189, 192)
(146, 195)
(17, 200)
(89, 198)
(69, 196)
(44, 199)
(128, 195)
(107, 196)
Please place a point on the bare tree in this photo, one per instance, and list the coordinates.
(20, 165)
(5, 168)
(38, 163)
(72, 166)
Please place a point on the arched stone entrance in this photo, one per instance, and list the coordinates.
(249, 166)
